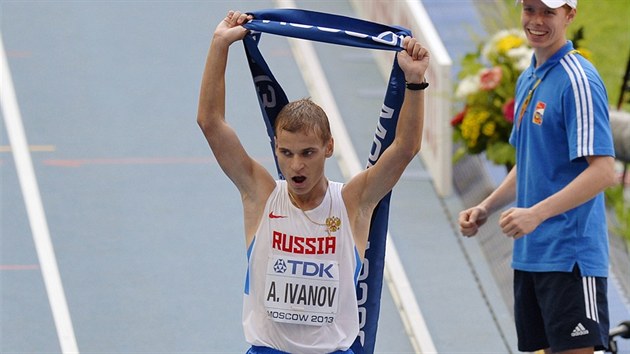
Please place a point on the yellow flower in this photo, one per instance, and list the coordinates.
(501, 42)
(471, 126)
(489, 128)
(509, 42)
(483, 116)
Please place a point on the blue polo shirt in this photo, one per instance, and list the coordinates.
(565, 120)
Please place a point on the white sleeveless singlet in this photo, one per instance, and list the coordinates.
(300, 292)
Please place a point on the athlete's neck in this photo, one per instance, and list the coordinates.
(311, 199)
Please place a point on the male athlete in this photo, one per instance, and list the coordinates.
(305, 236)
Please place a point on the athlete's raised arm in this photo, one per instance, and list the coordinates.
(366, 189)
(252, 180)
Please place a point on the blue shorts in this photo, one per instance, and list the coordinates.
(560, 310)
(265, 350)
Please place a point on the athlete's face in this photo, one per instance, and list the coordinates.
(545, 27)
(301, 158)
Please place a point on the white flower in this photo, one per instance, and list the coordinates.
(519, 52)
(521, 56)
(523, 63)
(468, 86)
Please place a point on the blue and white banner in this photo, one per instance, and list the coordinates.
(346, 31)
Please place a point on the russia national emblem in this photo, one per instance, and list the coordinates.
(333, 224)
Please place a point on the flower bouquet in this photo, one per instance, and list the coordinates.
(486, 90)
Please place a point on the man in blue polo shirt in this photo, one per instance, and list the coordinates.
(564, 161)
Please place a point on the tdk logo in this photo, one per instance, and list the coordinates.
(303, 268)
(280, 266)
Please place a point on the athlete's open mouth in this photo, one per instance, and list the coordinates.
(298, 179)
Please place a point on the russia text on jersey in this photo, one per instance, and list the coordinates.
(303, 244)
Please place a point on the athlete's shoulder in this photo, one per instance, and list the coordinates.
(578, 67)
(578, 74)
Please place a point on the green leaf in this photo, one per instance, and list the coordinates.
(501, 153)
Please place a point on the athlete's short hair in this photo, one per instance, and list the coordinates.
(303, 115)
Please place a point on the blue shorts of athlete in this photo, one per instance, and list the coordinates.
(560, 310)
(264, 350)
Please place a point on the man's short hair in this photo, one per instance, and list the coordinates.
(305, 116)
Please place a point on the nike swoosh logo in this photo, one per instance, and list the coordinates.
(274, 216)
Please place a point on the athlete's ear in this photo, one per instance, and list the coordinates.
(571, 15)
(330, 147)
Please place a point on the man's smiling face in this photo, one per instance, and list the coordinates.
(545, 27)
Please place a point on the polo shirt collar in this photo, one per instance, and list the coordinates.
(551, 62)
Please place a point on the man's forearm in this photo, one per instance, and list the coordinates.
(212, 92)
(592, 181)
(503, 195)
(411, 121)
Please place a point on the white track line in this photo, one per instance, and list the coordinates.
(34, 208)
(395, 275)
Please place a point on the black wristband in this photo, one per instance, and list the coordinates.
(415, 87)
